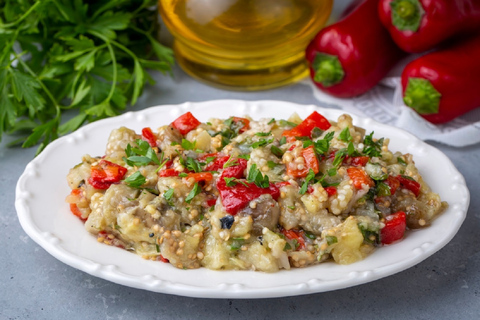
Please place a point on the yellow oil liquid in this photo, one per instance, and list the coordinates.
(244, 44)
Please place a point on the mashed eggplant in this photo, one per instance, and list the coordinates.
(242, 194)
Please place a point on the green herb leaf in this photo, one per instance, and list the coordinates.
(308, 178)
(135, 180)
(195, 191)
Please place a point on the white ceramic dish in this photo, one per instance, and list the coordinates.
(45, 217)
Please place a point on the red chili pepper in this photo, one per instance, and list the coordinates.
(304, 129)
(185, 123)
(105, 173)
(294, 234)
(311, 162)
(410, 184)
(351, 56)
(395, 226)
(443, 85)
(149, 136)
(420, 25)
(359, 177)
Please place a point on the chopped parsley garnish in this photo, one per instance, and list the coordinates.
(401, 161)
(183, 174)
(316, 132)
(195, 191)
(282, 140)
(308, 178)
(193, 165)
(135, 180)
(262, 142)
(263, 134)
(285, 123)
(244, 156)
(331, 240)
(230, 163)
(209, 159)
(255, 176)
(272, 164)
(141, 155)
(372, 148)
(271, 121)
(168, 196)
(345, 135)
(231, 182)
(322, 146)
(188, 145)
(276, 151)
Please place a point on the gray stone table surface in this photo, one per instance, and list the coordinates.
(34, 285)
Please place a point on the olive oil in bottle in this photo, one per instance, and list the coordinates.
(244, 44)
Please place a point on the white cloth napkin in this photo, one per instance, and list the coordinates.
(384, 104)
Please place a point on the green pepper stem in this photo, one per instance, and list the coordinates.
(407, 14)
(422, 96)
(328, 69)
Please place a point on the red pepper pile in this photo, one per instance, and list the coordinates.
(350, 57)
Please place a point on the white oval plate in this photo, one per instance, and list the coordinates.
(45, 217)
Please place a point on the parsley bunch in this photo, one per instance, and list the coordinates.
(83, 55)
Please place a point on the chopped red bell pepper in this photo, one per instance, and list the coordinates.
(73, 206)
(217, 164)
(244, 121)
(162, 259)
(236, 171)
(331, 191)
(392, 183)
(304, 129)
(294, 234)
(201, 176)
(311, 162)
(359, 177)
(105, 173)
(359, 161)
(149, 136)
(237, 197)
(185, 123)
(168, 173)
(211, 202)
(410, 184)
(395, 226)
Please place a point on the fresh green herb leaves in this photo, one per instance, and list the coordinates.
(331, 240)
(88, 57)
(232, 182)
(230, 163)
(136, 180)
(255, 176)
(194, 165)
(168, 195)
(345, 135)
(141, 155)
(276, 151)
(195, 191)
(371, 147)
(310, 176)
(261, 143)
(323, 145)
